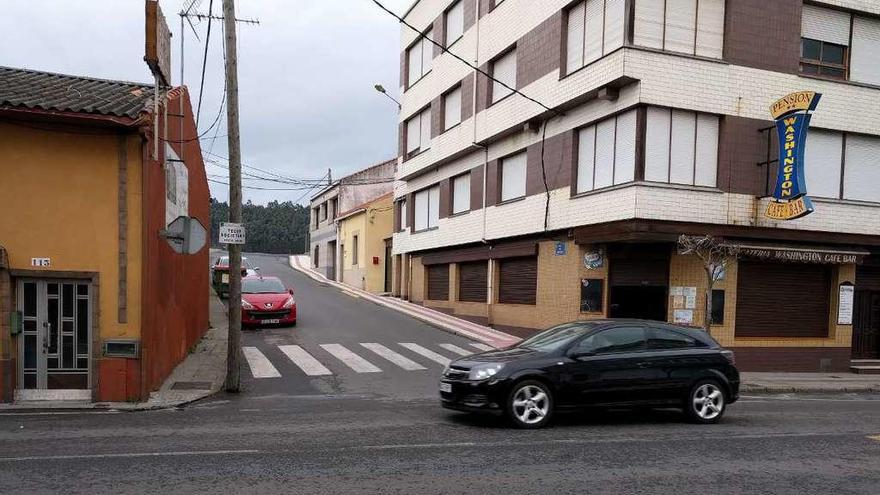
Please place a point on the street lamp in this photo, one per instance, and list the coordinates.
(382, 90)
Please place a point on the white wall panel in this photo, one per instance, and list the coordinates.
(657, 144)
(586, 158)
(625, 154)
(706, 167)
(682, 154)
(710, 28)
(681, 21)
(648, 29)
(574, 47)
(825, 24)
(865, 63)
(862, 173)
(822, 163)
(604, 172)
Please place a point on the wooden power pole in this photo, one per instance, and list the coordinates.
(233, 361)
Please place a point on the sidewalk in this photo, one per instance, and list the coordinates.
(831, 383)
(200, 375)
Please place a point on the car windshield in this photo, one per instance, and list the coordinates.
(224, 261)
(262, 286)
(558, 336)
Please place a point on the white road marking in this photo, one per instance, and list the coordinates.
(398, 359)
(127, 454)
(304, 360)
(456, 349)
(350, 359)
(260, 365)
(482, 347)
(433, 356)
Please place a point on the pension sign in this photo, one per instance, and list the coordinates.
(792, 115)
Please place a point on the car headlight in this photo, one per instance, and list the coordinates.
(246, 305)
(289, 304)
(484, 371)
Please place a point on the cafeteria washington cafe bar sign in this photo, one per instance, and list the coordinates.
(792, 115)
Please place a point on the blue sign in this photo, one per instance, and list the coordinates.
(561, 248)
(792, 114)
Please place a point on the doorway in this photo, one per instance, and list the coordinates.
(388, 266)
(866, 325)
(55, 343)
(331, 260)
(639, 280)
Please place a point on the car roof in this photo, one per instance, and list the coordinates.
(261, 277)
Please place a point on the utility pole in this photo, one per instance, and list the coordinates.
(233, 356)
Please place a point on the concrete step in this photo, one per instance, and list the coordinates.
(864, 362)
(865, 369)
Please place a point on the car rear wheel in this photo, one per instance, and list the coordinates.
(706, 402)
(530, 404)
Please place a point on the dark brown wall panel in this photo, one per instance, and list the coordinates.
(467, 97)
(537, 53)
(410, 210)
(493, 182)
(558, 155)
(741, 146)
(445, 198)
(439, 34)
(477, 188)
(470, 13)
(436, 116)
(763, 35)
(484, 93)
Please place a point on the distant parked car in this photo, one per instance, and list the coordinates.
(596, 363)
(220, 273)
(265, 301)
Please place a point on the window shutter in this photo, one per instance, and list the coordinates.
(822, 163)
(454, 23)
(421, 211)
(657, 145)
(825, 24)
(438, 282)
(472, 281)
(518, 280)
(707, 150)
(710, 28)
(593, 29)
(681, 23)
(414, 69)
(403, 218)
(648, 29)
(461, 194)
(513, 177)
(625, 146)
(452, 108)
(862, 168)
(682, 159)
(425, 141)
(604, 154)
(434, 206)
(615, 12)
(586, 158)
(413, 130)
(574, 47)
(504, 70)
(865, 62)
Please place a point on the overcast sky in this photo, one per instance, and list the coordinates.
(306, 73)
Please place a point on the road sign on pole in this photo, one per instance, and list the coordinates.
(232, 233)
(186, 235)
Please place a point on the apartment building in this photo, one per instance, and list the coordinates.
(342, 196)
(556, 189)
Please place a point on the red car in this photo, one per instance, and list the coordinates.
(265, 301)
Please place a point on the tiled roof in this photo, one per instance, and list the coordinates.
(35, 90)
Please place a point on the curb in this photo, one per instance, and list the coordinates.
(783, 389)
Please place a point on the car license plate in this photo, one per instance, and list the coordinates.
(270, 322)
(224, 278)
(445, 387)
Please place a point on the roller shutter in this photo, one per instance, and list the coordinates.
(472, 281)
(438, 282)
(782, 299)
(518, 281)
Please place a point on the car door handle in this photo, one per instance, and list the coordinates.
(643, 364)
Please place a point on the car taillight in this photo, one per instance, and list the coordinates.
(289, 303)
(729, 356)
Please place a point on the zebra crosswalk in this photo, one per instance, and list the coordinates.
(370, 357)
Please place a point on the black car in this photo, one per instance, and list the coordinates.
(596, 363)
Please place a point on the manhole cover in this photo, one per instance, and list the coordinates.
(191, 386)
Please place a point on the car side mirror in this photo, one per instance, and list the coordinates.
(581, 354)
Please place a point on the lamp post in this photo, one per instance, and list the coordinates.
(382, 90)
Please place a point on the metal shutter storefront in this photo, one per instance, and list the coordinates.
(472, 281)
(438, 282)
(518, 280)
(782, 300)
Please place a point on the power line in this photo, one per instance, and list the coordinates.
(472, 66)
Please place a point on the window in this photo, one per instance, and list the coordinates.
(831, 154)
(614, 340)
(595, 29)
(717, 307)
(454, 23)
(820, 58)
(332, 204)
(419, 57)
(354, 250)
(504, 71)
(427, 209)
(862, 170)
(513, 177)
(324, 211)
(606, 153)
(316, 211)
(518, 280)
(681, 147)
(403, 218)
(418, 132)
(826, 35)
(865, 57)
(662, 338)
(452, 108)
(461, 193)
(694, 27)
(317, 253)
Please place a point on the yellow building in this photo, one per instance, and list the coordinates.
(365, 233)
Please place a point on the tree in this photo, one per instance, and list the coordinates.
(276, 228)
(716, 255)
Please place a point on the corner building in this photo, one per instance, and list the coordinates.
(650, 120)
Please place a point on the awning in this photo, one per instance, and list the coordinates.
(800, 253)
(483, 252)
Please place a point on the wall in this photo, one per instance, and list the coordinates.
(353, 274)
(380, 223)
(7, 357)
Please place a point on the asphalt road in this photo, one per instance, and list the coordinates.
(383, 432)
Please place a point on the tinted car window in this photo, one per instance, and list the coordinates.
(613, 340)
(261, 286)
(661, 338)
(556, 337)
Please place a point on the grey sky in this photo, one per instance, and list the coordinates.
(306, 73)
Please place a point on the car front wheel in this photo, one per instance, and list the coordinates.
(706, 402)
(530, 404)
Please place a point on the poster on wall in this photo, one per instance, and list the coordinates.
(845, 304)
(591, 295)
(683, 316)
(594, 258)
